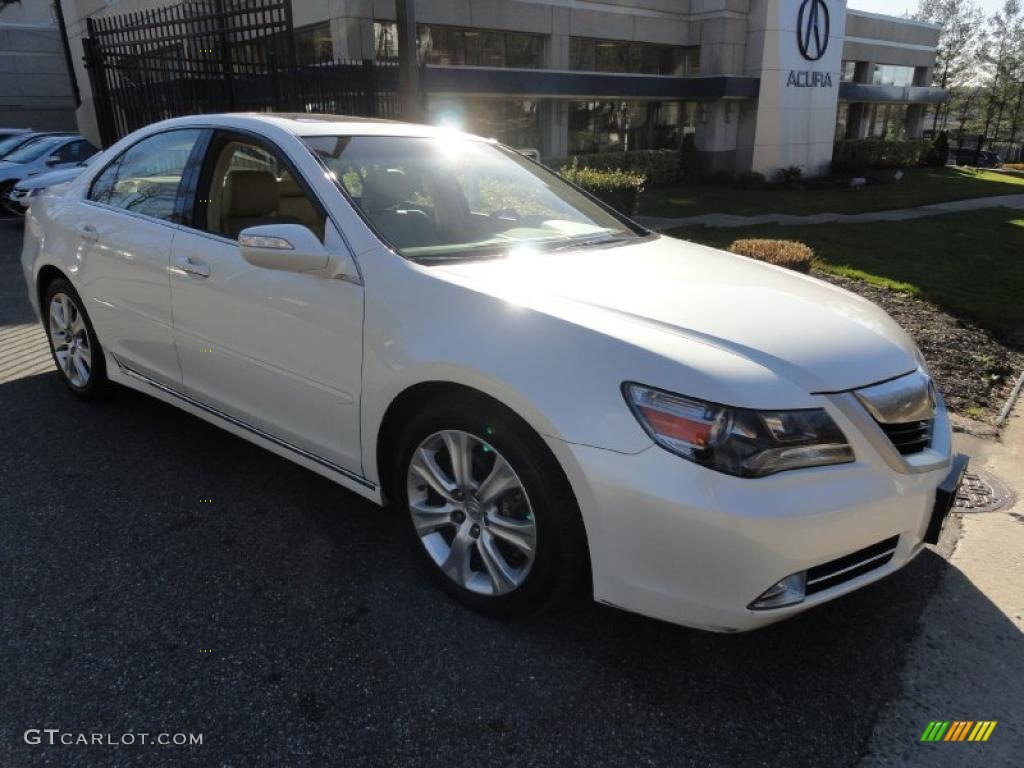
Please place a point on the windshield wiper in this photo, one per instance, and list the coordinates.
(588, 241)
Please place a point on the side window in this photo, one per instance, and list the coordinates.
(146, 176)
(250, 186)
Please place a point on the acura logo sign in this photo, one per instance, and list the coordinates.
(812, 29)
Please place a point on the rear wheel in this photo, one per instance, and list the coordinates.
(73, 343)
(493, 518)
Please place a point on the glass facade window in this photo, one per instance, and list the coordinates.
(459, 46)
(849, 71)
(621, 126)
(512, 122)
(887, 121)
(890, 74)
(590, 55)
(313, 44)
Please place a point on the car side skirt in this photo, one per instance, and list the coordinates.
(123, 374)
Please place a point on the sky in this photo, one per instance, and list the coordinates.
(899, 7)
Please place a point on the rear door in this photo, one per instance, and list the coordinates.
(125, 226)
(280, 352)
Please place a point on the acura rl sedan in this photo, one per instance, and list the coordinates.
(555, 398)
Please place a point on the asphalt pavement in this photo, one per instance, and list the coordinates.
(158, 575)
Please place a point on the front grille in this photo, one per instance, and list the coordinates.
(910, 436)
(842, 569)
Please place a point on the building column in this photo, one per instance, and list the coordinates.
(553, 116)
(856, 121)
(915, 121)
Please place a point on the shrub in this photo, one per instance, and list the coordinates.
(791, 254)
(619, 189)
(688, 157)
(789, 174)
(857, 155)
(657, 166)
(752, 180)
(938, 153)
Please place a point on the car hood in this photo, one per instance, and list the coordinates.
(10, 170)
(818, 336)
(44, 180)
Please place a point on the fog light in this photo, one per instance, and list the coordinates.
(789, 591)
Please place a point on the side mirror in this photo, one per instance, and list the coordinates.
(291, 248)
(53, 160)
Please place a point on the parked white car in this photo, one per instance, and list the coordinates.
(550, 391)
(26, 190)
(41, 155)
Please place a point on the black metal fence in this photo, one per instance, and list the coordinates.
(204, 56)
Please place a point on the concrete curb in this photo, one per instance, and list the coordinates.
(660, 223)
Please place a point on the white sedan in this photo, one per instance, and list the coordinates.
(553, 395)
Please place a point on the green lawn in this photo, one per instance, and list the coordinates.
(971, 263)
(920, 186)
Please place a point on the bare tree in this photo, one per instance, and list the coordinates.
(955, 59)
(1000, 59)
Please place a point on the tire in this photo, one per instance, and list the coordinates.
(75, 349)
(5, 203)
(537, 493)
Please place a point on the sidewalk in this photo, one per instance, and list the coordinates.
(660, 223)
(968, 661)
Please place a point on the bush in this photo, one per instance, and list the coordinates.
(790, 174)
(938, 153)
(857, 155)
(752, 180)
(657, 166)
(791, 254)
(688, 165)
(619, 189)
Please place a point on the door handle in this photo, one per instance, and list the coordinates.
(194, 267)
(88, 232)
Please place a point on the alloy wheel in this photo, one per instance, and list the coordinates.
(471, 512)
(70, 340)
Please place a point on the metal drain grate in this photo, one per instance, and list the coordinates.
(981, 492)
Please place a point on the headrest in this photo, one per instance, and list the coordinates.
(253, 193)
(383, 189)
(288, 186)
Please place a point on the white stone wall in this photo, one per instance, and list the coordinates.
(795, 121)
(35, 89)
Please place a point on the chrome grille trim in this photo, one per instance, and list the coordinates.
(843, 569)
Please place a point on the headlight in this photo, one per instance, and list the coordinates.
(738, 441)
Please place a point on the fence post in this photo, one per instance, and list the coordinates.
(294, 96)
(225, 53)
(102, 105)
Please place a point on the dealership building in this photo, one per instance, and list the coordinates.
(758, 84)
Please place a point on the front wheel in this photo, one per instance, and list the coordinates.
(9, 205)
(492, 516)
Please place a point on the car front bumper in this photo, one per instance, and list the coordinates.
(19, 197)
(675, 541)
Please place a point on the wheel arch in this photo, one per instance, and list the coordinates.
(47, 274)
(418, 396)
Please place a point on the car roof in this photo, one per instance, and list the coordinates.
(312, 124)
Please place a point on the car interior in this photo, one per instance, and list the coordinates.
(249, 187)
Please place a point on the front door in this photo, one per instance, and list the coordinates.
(279, 351)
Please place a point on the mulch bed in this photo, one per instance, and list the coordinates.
(974, 370)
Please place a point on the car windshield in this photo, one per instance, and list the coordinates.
(455, 196)
(34, 150)
(11, 143)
